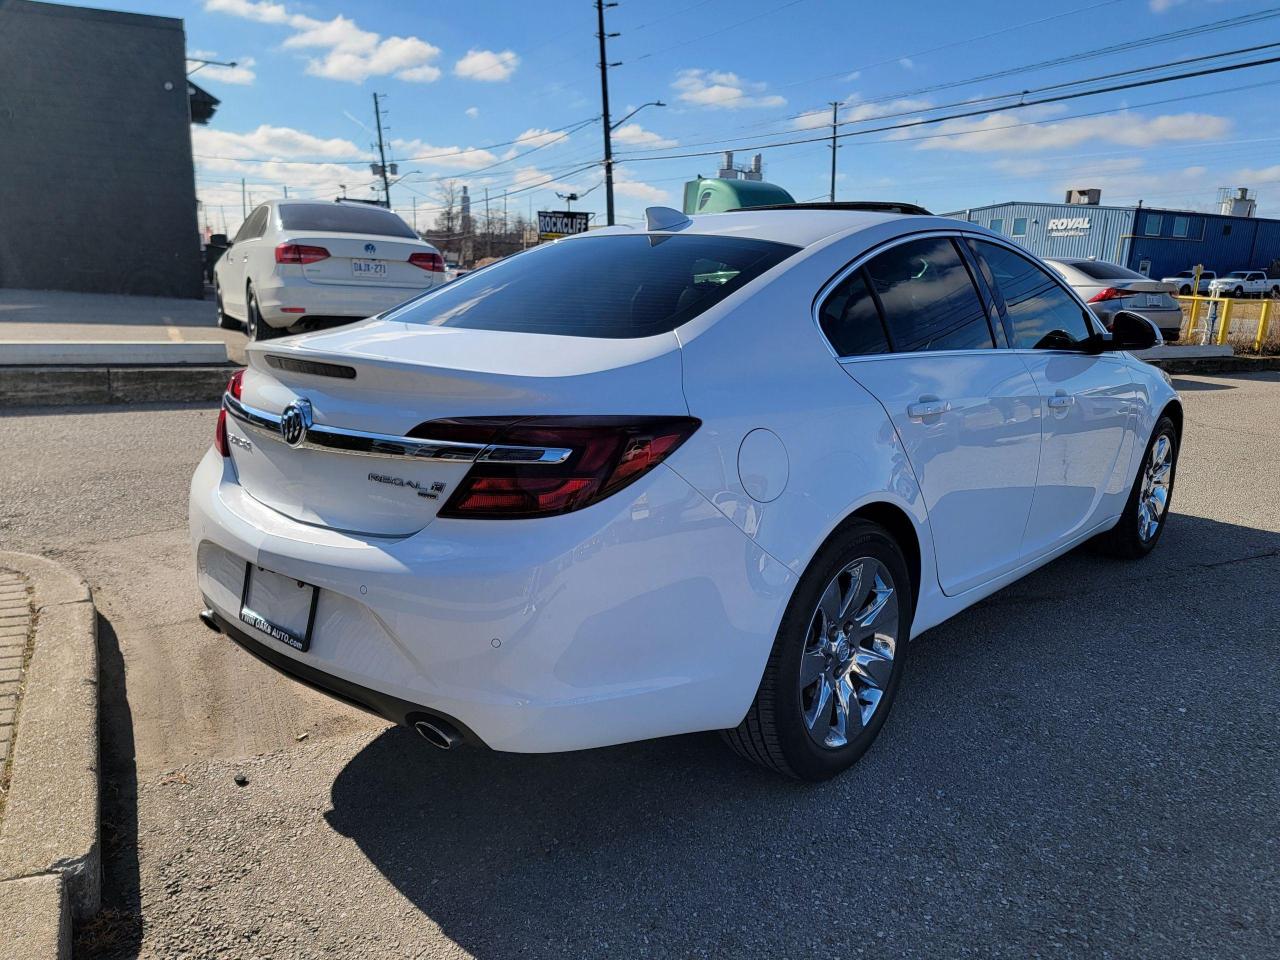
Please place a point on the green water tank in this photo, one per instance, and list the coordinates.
(714, 195)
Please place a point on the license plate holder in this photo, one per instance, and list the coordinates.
(1154, 300)
(281, 607)
(371, 269)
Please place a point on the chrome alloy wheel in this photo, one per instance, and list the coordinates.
(1154, 495)
(848, 654)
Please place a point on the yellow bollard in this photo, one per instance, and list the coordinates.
(1195, 313)
(1263, 322)
(1224, 322)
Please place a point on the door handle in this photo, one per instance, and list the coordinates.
(1061, 400)
(927, 408)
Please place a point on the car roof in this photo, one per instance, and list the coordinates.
(798, 227)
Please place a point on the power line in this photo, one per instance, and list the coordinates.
(1208, 71)
(995, 98)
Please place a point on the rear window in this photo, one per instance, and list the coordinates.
(343, 218)
(615, 287)
(1101, 270)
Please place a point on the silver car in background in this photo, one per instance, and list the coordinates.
(1109, 288)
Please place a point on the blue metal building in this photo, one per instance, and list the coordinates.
(1153, 241)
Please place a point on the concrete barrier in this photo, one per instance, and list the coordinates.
(51, 816)
(63, 386)
(110, 353)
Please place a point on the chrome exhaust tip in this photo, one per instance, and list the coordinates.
(438, 733)
(210, 621)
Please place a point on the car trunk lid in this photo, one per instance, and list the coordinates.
(364, 260)
(386, 378)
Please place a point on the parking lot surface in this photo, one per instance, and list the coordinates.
(54, 315)
(1085, 764)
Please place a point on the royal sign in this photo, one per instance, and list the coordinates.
(1068, 224)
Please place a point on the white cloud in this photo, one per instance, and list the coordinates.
(634, 135)
(242, 74)
(625, 186)
(344, 50)
(472, 112)
(451, 158)
(534, 138)
(995, 132)
(906, 63)
(278, 143)
(487, 65)
(853, 110)
(723, 90)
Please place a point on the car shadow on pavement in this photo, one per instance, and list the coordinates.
(1044, 779)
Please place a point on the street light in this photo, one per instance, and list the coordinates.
(651, 103)
(208, 63)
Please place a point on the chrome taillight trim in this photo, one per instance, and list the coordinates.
(360, 443)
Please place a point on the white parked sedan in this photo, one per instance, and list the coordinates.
(308, 264)
(707, 474)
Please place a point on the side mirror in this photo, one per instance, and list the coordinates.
(1133, 331)
(218, 240)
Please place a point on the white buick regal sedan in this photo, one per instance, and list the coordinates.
(307, 264)
(710, 474)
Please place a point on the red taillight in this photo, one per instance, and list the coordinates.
(300, 253)
(607, 453)
(428, 261)
(1110, 293)
(220, 442)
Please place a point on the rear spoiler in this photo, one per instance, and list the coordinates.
(867, 206)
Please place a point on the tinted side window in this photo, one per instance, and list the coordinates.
(928, 298)
(253, 225)
(1041, 314)
(850, 319)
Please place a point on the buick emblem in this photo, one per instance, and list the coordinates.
(370, 248)
(295, 422)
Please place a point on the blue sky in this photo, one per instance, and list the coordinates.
(501, 95)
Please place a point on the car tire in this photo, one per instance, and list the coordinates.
(1275, 293)
(1139, 531)
(1184, 291)
(845, 632)
(254, 326)
(1238, 292)
(224, 321)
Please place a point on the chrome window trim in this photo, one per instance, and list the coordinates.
(827, 288)
(958, 235)
(360, 443)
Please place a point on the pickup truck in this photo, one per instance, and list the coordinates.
(1245, 283)
(1185, 280)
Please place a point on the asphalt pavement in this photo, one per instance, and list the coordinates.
(1084, 765)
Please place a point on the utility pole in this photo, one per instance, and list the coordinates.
(382, 153)
(415, 214)
(835, 124)
(488, 226)
(286, 191)
(604, 103)
(244, 207)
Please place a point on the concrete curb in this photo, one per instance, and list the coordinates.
(1212, 365)
(51, 820)
(63, 386)
(35, 917)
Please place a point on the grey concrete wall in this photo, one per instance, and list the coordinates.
(97, 189)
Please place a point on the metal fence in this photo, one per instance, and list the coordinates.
(1213, 322)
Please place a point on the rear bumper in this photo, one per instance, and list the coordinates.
(326, 300)
(353, 694)
(645, 615)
